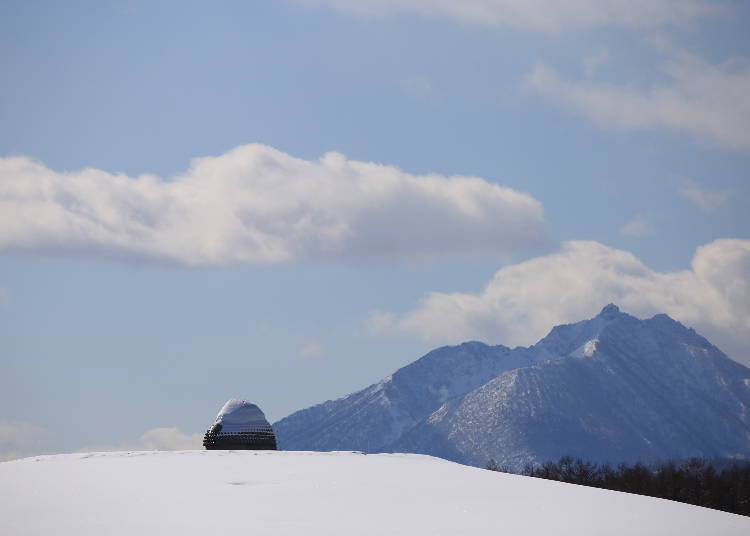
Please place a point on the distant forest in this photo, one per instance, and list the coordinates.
(719, 484)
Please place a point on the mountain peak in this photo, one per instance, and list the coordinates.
(610, 388)
(609, 310)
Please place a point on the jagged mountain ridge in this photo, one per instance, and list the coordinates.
(611, 388)
(373, 418)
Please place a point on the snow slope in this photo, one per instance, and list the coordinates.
(312, 493)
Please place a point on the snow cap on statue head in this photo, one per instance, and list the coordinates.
(239, 411)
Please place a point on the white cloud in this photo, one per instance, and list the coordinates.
(542, 15)
(19, 440)
(708, 201)
(523, 301)
(156, 439)
(15, 435)
(256, 204)
(170, 439)
(708, 101)
(638, 226)
(312, 350)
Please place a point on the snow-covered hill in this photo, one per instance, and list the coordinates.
(611, 388)
(341, 493)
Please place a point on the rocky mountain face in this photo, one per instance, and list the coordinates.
(613, 388)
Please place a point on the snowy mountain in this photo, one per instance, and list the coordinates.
(278, 493)
(613, 388)
(373, 418)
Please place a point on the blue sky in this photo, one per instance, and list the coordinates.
(492, 167)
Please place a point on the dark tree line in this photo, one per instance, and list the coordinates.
(719, 485)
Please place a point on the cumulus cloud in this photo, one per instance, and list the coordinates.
(19, 440)
(523, 301)
(708, 101)
(540, 15)
(256, 204)
(156, 439)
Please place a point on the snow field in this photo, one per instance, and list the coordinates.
(314, 493)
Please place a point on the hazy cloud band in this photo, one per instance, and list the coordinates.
(711, 102)
(541, 15)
